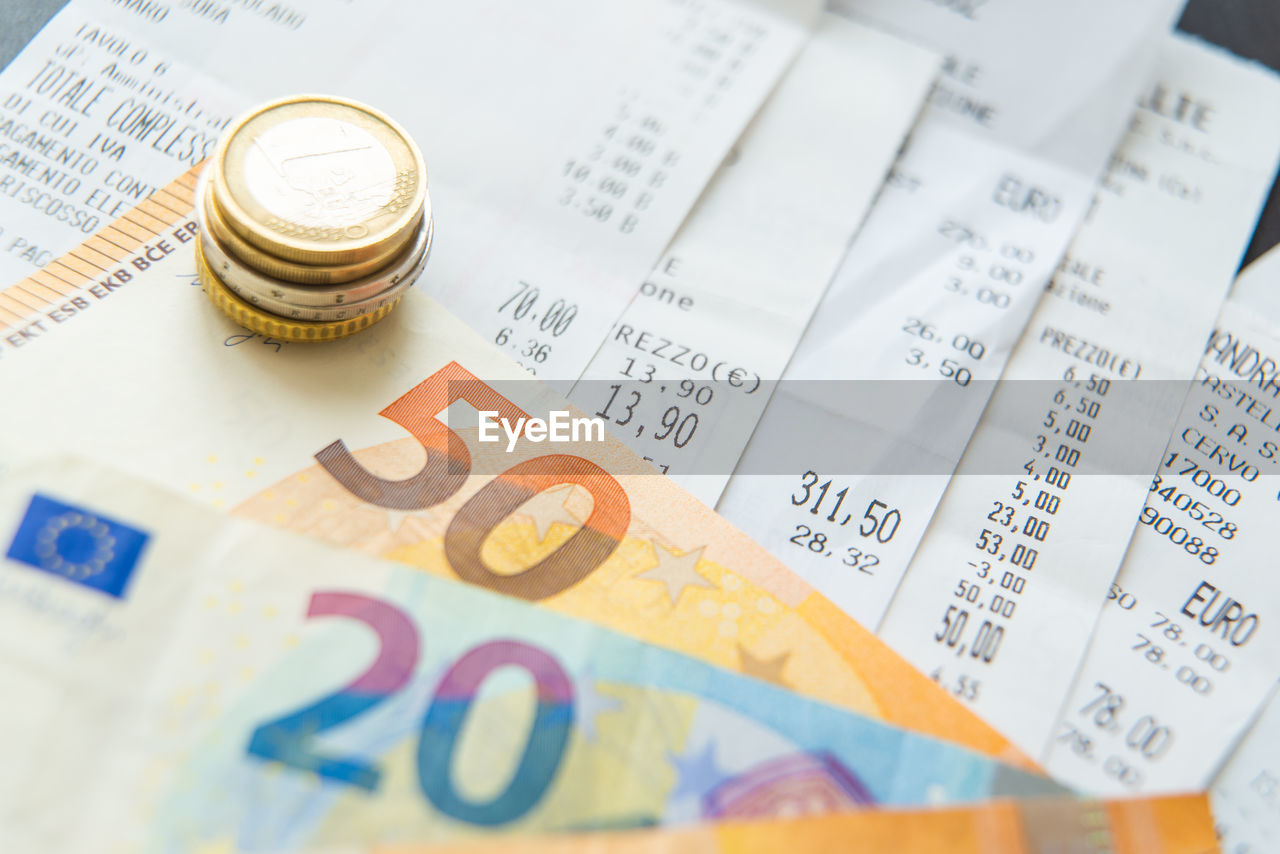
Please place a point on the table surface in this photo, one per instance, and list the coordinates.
(1250, 28)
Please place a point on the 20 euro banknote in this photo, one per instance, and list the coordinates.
(179, 681)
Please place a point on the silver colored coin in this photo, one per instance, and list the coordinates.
(244, 280)
(339, 311)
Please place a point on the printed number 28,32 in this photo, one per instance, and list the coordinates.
(289, 739)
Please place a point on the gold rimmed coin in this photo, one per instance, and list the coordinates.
(264, 323)
(215, 223)
(320, 181)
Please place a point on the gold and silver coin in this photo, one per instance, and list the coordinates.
(314, 218)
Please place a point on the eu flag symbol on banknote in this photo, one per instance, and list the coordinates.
(78, 544)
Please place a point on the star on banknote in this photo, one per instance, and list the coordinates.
(677, 572)
(547, 508)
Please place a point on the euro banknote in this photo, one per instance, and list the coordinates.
(176, 680)
(374, 443)
(1169, 825)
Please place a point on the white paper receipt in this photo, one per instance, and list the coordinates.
(1001, 599)
(872, 414)
(686, 370)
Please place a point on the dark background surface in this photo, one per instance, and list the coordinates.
(1250, 28)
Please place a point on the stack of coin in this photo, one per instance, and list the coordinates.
(314, 218)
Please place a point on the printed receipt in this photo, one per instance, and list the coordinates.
(561, 159)
(1245, 796)
(107, 104)
(1246, 791)
(1184, 654)
(1000, 601)
(686, 370)
(859, 441)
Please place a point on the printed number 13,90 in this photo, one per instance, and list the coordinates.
(288, 739)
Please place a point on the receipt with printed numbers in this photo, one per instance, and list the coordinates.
(1184, 652)
(686, 370)
(1245, 793)
(561, 157)
(1001, 598)
(871, 416)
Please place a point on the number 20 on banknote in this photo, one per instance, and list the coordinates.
(288, 739)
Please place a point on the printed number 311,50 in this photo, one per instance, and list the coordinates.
(289, 739)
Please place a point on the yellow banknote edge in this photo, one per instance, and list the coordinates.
(1164, 825)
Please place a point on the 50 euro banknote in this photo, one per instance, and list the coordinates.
(176, 680)
(1168, 825)
(372, 443)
